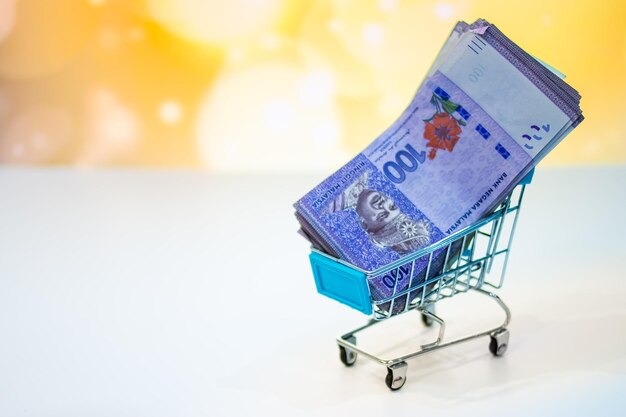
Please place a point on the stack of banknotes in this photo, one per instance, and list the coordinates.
(485, 114)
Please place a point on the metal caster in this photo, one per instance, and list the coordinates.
(347, 356)
(396, 376)
(499, 342)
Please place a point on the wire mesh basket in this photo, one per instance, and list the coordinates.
(474, 258)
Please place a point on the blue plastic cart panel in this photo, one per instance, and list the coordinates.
(528, 178)
(341, 283)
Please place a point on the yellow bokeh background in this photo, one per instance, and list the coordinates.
(269, 85)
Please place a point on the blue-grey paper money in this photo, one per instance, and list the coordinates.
(483, 117)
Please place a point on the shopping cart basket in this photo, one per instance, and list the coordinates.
(474, 258)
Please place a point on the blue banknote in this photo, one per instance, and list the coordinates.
(481, 120)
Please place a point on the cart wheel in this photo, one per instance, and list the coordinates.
(427, 320)
(347, 357)
(499, 342)
(396, 376)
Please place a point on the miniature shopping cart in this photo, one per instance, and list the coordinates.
(474, 258)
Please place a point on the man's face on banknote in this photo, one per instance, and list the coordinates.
(376, 210)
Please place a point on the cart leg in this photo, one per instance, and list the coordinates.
(427, 320)
(499, 342)
(396, 376)
(442, 327)
(348, 356)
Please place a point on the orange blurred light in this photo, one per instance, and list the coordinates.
(7, 18)
(47, 34)
(215, 21)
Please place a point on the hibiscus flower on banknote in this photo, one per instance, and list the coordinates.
(442, 130)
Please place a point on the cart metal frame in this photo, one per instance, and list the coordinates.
(397, 366)
(471, 266)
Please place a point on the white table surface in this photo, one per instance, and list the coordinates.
(133, 293)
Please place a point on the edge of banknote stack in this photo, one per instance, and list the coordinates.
(483, 117)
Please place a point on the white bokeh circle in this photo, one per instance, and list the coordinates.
(274, 115)
(112, 128)
(36, 135)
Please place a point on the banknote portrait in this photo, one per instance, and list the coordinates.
(382, 219)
